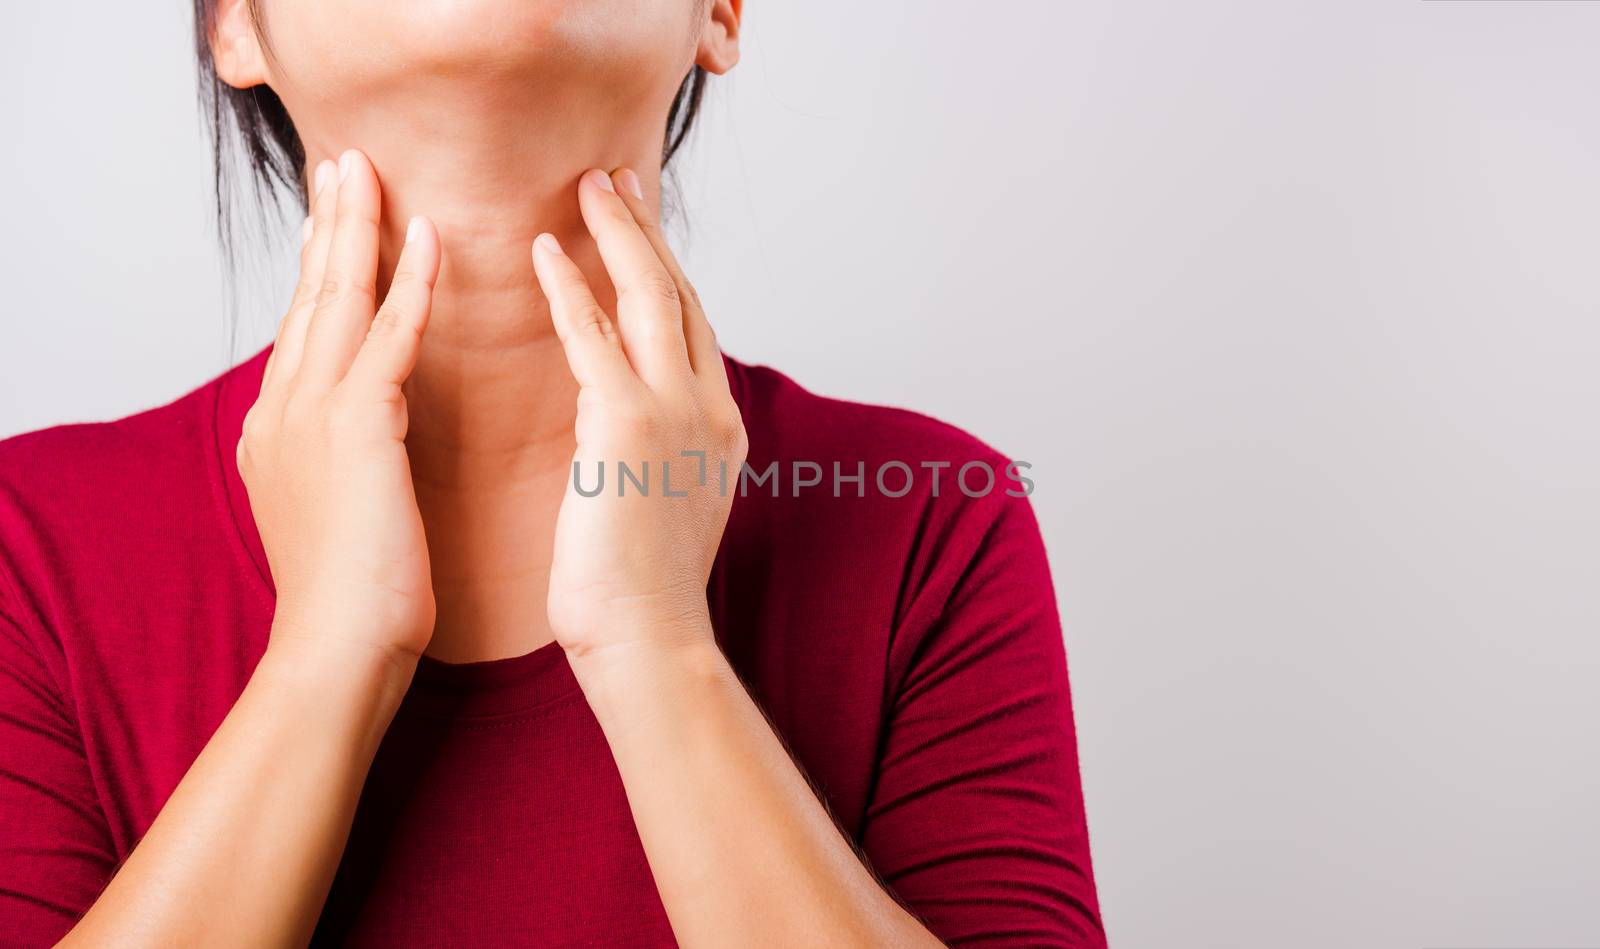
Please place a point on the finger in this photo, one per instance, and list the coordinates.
(594, 351)
(346, 300)
(705, 357)
(389, 352)
(649, 314)
(290, 345)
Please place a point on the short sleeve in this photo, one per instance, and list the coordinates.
(56, 853)
(976, 820)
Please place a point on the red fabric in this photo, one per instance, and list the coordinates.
(908, 650)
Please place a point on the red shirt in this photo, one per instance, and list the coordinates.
(906, 648)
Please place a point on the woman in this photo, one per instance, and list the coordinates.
(354, 645)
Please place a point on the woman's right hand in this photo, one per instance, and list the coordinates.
(323, 452)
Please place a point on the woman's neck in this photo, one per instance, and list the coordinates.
(491, 398)
(492, 402)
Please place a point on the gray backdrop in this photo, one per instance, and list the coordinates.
(1291, 304)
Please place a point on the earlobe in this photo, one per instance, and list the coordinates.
(235, 46)
(719, 45)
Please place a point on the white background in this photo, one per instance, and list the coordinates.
(1292, 305)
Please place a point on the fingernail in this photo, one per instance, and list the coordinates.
(324, 172)
(305, 232)
(549, 243)
(602, 181)
(347, 161)
(413, 229)
(631, 183)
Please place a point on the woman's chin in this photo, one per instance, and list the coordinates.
(525, 36)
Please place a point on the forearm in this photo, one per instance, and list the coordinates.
(742, 851)
(246, 847)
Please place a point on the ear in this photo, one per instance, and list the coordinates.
(719, 44)
(236, 46)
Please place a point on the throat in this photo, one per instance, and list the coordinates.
(491, 407)
(490, 549)
(491, 445)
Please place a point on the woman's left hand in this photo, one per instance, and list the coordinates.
(630, 567)
(740, 847)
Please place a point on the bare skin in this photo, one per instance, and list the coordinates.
(409, 466)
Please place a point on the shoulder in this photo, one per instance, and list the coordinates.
(89, 494)
(787, 419)
(862, 483)
(871, 530)
(68, 465)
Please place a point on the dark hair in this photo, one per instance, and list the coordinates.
(254, 122)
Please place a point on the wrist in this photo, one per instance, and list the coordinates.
(624, 680)
(337, 668)
(340, 692)
(640, 636)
